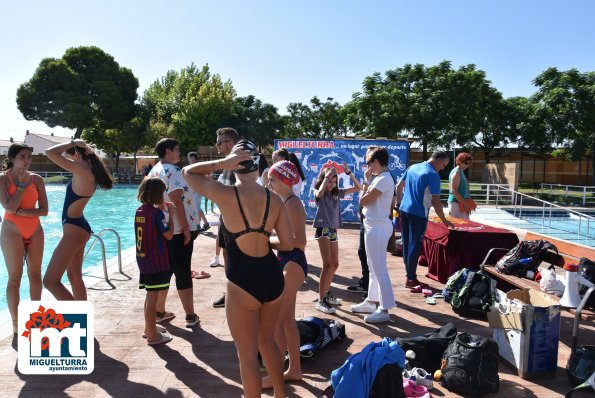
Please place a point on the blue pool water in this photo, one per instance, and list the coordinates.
(107, 209)
(562, 226)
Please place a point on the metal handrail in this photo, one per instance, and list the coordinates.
(517, 202)
(98, 238)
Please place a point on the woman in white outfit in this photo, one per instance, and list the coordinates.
(376, 200)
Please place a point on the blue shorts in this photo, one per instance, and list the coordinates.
(296, 255)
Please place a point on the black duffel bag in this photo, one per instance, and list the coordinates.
(428, 348)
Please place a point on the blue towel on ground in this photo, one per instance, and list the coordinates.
(355, 378)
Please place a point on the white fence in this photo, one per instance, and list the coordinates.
(585, 193)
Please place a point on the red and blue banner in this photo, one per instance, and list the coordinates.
(316, 154)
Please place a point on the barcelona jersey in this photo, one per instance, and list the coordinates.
(151, 247)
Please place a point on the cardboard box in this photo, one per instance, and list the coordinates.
(528, 340)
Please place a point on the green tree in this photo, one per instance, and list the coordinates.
(565, 103)
(413, 101)
(257, 121)
(127, 139)
(189, 105)
(320, 120)
(480, 116)
(84, 88)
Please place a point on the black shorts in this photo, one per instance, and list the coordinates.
(180, 256)
(154, 282)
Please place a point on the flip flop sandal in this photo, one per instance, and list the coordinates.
(438, 296)
(430, 300)
(201, 275)
(427, 292)
(164, 316)
(413, 390)
(163, 339)
(160, 329)
(416, 289)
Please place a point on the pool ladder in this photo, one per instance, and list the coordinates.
(97, 238)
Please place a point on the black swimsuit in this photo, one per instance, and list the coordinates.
(261, 277)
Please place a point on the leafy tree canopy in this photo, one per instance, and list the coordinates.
(84, 88)
(565, 103)
(189, 105)
(257, 121)
(320, 120)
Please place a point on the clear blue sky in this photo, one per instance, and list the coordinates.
(289, 51)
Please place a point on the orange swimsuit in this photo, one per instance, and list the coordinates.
(26, 225)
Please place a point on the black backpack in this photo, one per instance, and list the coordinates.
(530, 251)
(470, 365)
(316, 333)
(475, 297)
(428, 348)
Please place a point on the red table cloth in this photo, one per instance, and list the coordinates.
(445, 251)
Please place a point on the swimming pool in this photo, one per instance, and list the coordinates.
(562, 226)
(107, 209)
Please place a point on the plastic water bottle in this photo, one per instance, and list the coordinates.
(526, 263)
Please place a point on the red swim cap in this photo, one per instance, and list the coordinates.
(286, 172)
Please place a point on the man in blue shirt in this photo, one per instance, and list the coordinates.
(418, 190)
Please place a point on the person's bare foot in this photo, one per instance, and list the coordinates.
(267, 384)
(292, 376)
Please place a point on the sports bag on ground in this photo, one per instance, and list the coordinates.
(428, 348)
(454, 283)
(475, 297)
(525, 256)
(470, 365)
(316, 333)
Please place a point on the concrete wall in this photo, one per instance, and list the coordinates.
(501, 173)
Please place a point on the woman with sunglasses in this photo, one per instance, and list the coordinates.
(460, 204)
(23, 196)
(88, 172)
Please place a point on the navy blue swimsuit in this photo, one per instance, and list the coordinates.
(70, 198)
(296, 255)
(261, 277)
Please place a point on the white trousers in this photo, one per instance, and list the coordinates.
(454, 211)
(380, 289)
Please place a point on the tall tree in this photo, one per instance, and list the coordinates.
(189, 105)
(260, 122)
(412, 101)
(127, 139)
(565, 102)
(480, 116)
(84, 88)
(321, 120)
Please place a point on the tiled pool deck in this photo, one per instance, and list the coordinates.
(203, 363)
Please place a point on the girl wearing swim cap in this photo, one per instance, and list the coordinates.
(282, 177)
(283, 154)
(254, 276)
